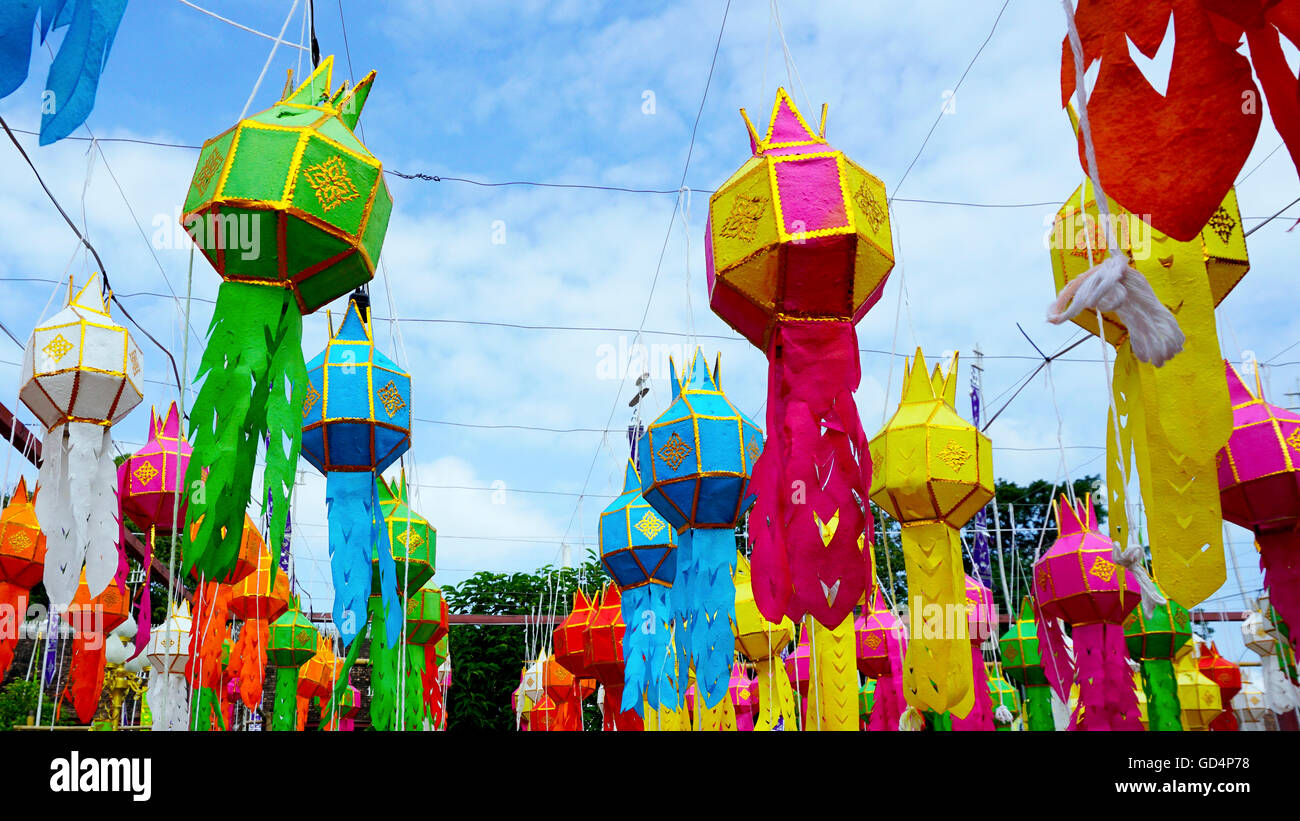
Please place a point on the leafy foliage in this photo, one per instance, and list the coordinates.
(18, 701)
(487, 659)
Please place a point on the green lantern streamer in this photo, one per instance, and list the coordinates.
(292, 643)
(291, 210)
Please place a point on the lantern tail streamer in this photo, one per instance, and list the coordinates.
(775, 696)
(356, 529)
(248, 661)
(86, 674)
(285, 714)
(645, 645)
(813, 426)
(1279, 558)
(1107, 700)
(889, 705)
(1038, 708)
(384, 673)
(706, 561)
(981, 715)
(79, 497)
(254, 385)
(167, 701)
(833, 688)
(933, 658)
(1161, 687)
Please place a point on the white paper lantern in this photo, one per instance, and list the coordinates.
(169, 643)
(1250, 705)
(1255, 634)
(81, 373)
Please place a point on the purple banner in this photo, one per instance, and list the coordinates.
(980, 551)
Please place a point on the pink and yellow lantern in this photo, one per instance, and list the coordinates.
(882, 643)
(797, 250)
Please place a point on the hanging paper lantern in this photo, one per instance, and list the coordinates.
(315, 678)
(866, 701)
(882, 644)
(570, 637)
(22, 565)
(639, 550)
(425, 615)
(744, 697)
(979, 626)
(1251, 706)
(1225, 675)
(1200, 700)
(412, 538)
(694, 461)
(1022, 662)
(1006, 702)
(258, 601)
(92, 618)
(1174, 418)
(81, 375)
(1260, 486)
(761, 641)
(567, 693)
(168, 653)
(291, 210)
(1076, 580)
(150, 494)
(356, 421)
(797, 250)
(603, 654)
(1153, 641)
(934, 471)
(291, 644)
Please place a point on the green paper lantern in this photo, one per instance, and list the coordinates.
(413, 539)
(291, 210)
(1160, 635)
(1003, 695)
(290, 198)
(292, 641)
(423, 615)
(1020, 657)
(866, 699)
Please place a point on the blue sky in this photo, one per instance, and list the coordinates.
(557, 92)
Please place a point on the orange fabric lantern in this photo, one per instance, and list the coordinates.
(258, 602)
(22, 563)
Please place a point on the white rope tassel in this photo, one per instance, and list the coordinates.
(1002, 715)
(1113, 284)
(911, 721)
(1133, 560)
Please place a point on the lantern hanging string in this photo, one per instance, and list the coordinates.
(103, 270)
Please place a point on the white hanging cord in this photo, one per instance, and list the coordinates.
(1113, 285)
(269, 58)
(790, 67)
(684, 211)
(228, 21)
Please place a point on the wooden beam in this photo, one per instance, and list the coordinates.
(26, 443)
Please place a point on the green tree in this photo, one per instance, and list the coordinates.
(18, 701)
(1034, 524)
(487, 659)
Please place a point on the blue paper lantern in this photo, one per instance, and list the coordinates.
(357, 422)
(695, 461)
(639, 550)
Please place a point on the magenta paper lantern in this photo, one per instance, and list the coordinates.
(1078, 581)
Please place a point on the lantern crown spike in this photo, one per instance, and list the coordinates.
(631, 478)
(787, 127)
(20, 492)
(91, 299)
(355, 100)
(700, 379)
(1238, 392)
(354, 328)
(917, 386)
(1068, 519)
(316, 88)
(674, 383)
(171, 426)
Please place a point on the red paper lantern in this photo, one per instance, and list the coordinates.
(570, 638)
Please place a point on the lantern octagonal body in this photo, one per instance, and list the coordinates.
(356, 416)
(81, 366)
(289, 197)
(22, 544)
(1076, 579)
(926, 431)
(695, 459)
(799, 231)
(293, 640)
(1259, 483)
(637, 546)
